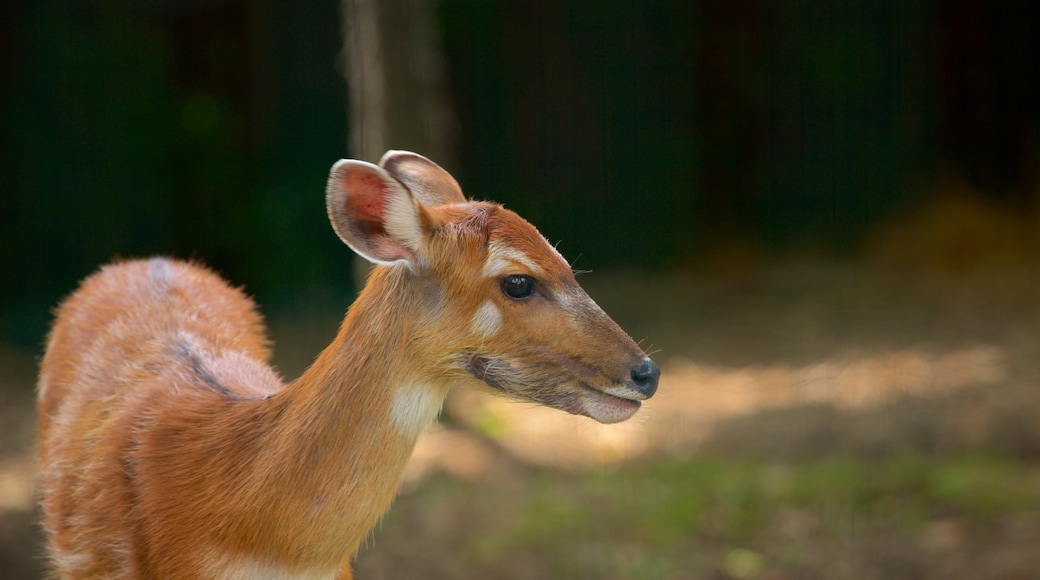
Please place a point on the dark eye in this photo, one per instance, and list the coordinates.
(518, 286)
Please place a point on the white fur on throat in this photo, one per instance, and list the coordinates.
(227, 567)
(416, 406)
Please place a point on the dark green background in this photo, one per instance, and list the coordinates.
(638, 135)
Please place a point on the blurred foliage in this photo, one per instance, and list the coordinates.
(952, 227)
(581, 116)
(707, 517)
(202, 130)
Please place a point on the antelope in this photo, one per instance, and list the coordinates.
(170, 448)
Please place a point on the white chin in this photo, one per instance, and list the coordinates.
(609, 409)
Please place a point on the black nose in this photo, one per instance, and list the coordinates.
(644, 377)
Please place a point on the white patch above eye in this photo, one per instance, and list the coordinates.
(503, 259)
(416, 406)
(487, 320)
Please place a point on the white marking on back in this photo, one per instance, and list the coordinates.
(487, 320)
(503, 259)
(159, 275)
(416, 406)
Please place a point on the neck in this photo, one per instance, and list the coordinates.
(342, 433)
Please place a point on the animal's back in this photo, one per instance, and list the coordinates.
(127, 344)
(122, 321)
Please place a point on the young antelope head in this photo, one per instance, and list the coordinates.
(491, 302)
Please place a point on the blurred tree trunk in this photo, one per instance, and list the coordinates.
(396, 76)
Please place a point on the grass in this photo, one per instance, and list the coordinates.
(713, 517)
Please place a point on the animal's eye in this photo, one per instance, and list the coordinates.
(518, 286)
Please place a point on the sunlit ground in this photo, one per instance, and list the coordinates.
(815, 419)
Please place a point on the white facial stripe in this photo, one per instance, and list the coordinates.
(487, 320)
(502, 259)
(416, 406)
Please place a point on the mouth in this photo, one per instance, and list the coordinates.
(578, 398)
(606, 407)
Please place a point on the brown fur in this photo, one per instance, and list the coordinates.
(170, 449)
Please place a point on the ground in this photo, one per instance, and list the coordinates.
(815, 419)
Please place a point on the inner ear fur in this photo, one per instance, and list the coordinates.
(373, 213)
(428, 182)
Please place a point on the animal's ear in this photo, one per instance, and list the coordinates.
(374, 213)
(428, 182)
